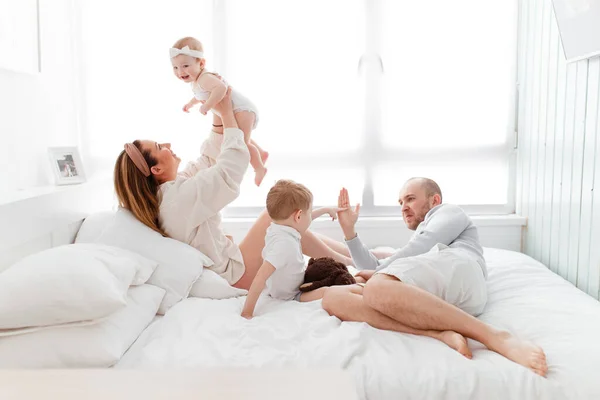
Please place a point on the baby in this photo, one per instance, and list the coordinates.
(289, 205)
(187, 58)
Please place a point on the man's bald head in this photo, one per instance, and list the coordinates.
(417, 197)
(429, 185)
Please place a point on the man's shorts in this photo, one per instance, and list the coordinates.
(450, 274)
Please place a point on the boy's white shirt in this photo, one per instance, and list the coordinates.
(191, 204)
(283, 251)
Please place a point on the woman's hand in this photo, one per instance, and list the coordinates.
(348, 217)
(203, 109)
(224, 106)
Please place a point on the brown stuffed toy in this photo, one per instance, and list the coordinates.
(325, 271)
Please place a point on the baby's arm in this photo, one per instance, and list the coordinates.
(332, 211)
(217, 89)
(258, 285)
(191, 104)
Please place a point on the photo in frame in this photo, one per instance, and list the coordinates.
(66, 165)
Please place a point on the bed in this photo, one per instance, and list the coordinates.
(524, 297)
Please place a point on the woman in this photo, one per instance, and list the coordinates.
(186, 206)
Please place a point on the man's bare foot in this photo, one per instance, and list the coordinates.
(259, 175)
(264, 156)
(456, 341)
(522, 352)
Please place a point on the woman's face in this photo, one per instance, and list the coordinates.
(167, 162)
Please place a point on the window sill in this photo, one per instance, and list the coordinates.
(368, 222)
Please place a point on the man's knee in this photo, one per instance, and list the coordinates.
(380, 288)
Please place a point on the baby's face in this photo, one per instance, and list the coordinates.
(186, 68)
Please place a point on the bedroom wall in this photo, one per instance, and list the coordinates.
(38, 111)
(559, 146)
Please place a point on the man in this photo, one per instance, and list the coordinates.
(433, 286)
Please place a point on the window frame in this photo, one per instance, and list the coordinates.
(371, 66)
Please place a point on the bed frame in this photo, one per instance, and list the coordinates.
(47, 217)
(42, 218)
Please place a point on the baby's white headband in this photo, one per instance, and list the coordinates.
(174, 52)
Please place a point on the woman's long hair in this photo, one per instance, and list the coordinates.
(137, 193)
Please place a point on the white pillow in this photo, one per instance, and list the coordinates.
(69, 283)
(93, 346)
(145, 267)
(93, 226)
(212, 286)
(179, 265)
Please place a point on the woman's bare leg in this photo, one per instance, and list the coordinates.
(313, 246)
(334, 244)
(341, 248)
(254, 242)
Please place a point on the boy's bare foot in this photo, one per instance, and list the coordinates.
(456, 341)
(522, 352)
(259, 175)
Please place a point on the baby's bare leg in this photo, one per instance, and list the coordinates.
(264, 155)
(245, 120)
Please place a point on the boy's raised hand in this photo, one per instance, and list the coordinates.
(333, 212)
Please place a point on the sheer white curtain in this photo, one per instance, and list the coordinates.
(434, 94)
(297, 60)
(448, 97)
(130, 90)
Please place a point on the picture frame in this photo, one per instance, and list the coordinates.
(66, 165)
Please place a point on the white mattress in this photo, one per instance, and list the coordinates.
(524, 297)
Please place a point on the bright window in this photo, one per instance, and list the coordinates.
(356, 93)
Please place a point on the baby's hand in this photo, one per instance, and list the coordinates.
(187, 107)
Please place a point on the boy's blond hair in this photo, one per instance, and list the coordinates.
(192, 43)
(286, 197)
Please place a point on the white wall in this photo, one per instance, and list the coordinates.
(38, 111)
(558, 147)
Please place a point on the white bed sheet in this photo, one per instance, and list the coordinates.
(524, 297)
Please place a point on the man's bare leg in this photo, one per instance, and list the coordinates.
(422, 310)
(346, 303)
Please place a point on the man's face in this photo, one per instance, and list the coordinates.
(415, 204)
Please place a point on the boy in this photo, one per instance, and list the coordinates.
(289, 205)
